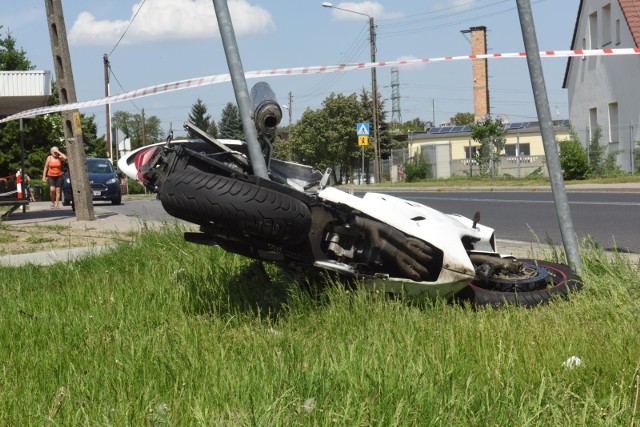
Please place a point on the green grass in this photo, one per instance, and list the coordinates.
(162, 332)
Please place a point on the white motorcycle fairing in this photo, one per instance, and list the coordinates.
(445, 232)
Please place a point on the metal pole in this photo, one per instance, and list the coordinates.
(362, 170)
(632, 149)
(470, 160)
(25, 182)
(548, 138)
(518, 152)
(243, 98)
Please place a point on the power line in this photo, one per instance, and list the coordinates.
(329, 80)
(119, 84)
(412, 25)
(127, 29)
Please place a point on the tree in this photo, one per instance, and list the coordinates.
(462, 119)
(385, 140)
(414, 125)
(230, 124)
(573, 159)
(201, 119)
(601, 164)
(131, 125)
(327, 137)
(490, 134)
(212, 129)
(12, 59)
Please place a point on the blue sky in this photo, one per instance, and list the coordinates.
(172, 40)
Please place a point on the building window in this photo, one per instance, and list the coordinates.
(471, 152)
(617, 31)
(593, 30)
(606, 25)
(512, 149)
(614, 124)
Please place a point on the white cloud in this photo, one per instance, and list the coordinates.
(455, 5)
(169, 20)
(370, 8)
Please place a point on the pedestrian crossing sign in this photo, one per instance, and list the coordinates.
(362, 129)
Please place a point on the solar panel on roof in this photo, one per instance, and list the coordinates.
(457, 129)
(447, 129)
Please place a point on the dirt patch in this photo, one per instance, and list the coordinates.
(38, 238)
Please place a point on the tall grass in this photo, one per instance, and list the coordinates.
(162, 332)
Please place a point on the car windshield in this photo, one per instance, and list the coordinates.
(99, 166)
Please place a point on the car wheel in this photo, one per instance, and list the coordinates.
(116, 201)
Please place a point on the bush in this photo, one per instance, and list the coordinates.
(415, 171)
(573, 160)
(135, 187)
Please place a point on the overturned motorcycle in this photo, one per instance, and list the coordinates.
(295, 220)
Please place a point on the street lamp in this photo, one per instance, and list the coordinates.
(374, 88)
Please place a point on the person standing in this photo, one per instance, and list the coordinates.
(52, 174)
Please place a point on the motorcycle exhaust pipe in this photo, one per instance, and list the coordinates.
(266, 110)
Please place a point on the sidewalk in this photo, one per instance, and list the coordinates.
(39, 213)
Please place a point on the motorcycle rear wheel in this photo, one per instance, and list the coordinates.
(536, 283)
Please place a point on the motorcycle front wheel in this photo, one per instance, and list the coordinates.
(205, 198)
(535, 283)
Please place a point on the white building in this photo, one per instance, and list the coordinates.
(604, 91)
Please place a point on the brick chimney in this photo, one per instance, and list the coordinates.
(481, 107)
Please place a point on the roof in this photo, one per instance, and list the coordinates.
(631, 12)
(456, 131)
(23, 90)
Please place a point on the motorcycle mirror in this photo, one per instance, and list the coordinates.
(476, 219)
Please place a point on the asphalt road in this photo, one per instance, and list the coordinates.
(611, 219)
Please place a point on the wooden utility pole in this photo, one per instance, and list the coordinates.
(82, 197)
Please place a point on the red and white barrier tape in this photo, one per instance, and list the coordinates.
(320, 69)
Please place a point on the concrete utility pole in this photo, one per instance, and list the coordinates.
(377, 165)
(548, 138)
(82, 198)
(107, 91)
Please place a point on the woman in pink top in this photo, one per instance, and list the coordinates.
(52, 174)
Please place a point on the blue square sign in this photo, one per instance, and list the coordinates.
(362, 129)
